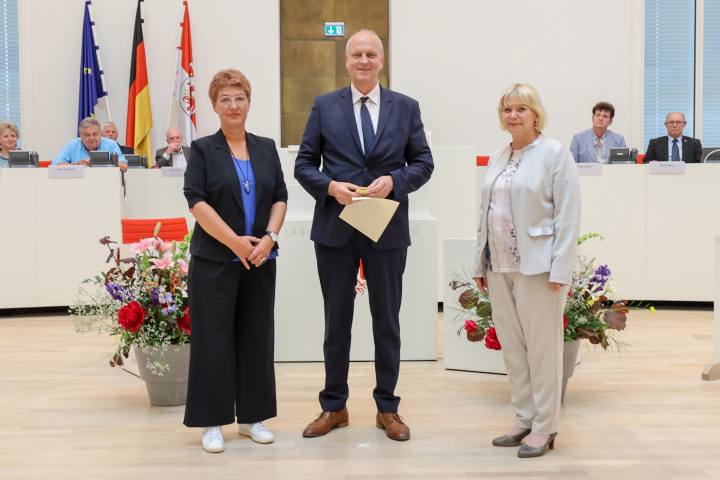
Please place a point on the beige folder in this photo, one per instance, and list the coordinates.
(370, 216)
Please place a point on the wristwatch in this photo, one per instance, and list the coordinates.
(272, 235)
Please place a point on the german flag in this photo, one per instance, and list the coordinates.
(139, 117)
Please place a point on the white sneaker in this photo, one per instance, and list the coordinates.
(212, 440)
(256, 431)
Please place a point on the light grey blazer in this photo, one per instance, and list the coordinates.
(583, 146)
(545, 207)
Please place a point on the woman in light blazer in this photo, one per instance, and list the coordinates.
(527, 243)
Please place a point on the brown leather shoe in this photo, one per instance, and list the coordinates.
(325, 422)
(393, 425)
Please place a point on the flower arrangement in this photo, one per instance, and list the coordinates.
(476, 304)
(141, 301)
(592, 310)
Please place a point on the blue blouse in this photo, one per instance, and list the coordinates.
(247, 177)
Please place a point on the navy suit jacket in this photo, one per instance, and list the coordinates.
(331, 138)
(211, 177)
(658, 150)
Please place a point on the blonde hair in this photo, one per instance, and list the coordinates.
(523, 94)
(9, 125)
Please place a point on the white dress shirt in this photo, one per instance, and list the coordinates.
(178, 158)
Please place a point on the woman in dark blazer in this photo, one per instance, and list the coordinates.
(236, 192)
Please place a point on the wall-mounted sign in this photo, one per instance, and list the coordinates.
(334, 29)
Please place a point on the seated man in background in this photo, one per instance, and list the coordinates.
(176, 154)
(109, 130)
(674, 147)
(594, 145)
(78, 149)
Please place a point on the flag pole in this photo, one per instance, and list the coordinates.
(97, 53)
(177, 61)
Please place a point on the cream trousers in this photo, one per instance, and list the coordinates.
(529, 325)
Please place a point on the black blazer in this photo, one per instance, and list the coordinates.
(658, 150)
(400, 150)
(211, 177)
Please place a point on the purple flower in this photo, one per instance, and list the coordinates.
(154, 296)
(601, 275)
(118, 292)
(169, 310)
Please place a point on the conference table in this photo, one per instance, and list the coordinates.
(659, 231)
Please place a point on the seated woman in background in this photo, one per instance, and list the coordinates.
(9, 134)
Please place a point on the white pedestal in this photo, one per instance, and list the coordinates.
(460, 353)
(299, 313)
(712, 370)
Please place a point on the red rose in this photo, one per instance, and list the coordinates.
(184, 321)
(565, 322)
(491, 340)
(470, 326)
(131, 316)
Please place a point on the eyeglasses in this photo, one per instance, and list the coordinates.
(238, 100)
(675, 122)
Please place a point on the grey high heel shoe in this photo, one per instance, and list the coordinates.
(526, 451)
(511, 440)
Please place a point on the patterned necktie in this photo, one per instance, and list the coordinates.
(675, 151)
(367, 128)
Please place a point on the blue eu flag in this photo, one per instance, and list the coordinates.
(91, 83)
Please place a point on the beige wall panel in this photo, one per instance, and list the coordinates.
(293, 127)
(299, 93)
(305, 19)
(307, 58)
(370, 14)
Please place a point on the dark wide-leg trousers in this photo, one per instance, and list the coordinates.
(383, 269)
(232, 371)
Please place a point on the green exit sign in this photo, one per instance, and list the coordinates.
(334, 29)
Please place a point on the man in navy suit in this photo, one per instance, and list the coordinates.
(674, 147)
(364, 136)
(593, 145)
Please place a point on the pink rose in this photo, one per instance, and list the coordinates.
(491, 340)
(131, 316)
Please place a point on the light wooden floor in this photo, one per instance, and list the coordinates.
(64, 413)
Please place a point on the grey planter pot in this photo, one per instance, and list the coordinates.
(570, 355)
(170, 388)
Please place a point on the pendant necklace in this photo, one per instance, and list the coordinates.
(246, 176)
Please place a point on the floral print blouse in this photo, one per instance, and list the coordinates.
(502, 249)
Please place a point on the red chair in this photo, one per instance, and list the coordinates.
(641, 157)
(482, 161)
(45, 163)
(133, 230)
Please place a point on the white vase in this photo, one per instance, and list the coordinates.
(170, 388)
(570, 355)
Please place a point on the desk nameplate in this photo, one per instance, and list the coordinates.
(589, 168)
(172, 171)
(666, 167)
(66, 171)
